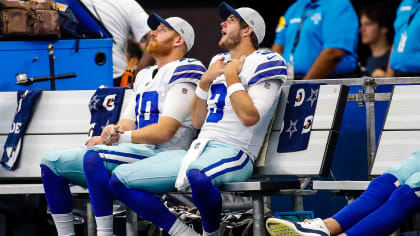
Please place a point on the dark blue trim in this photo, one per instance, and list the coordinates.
(267, 74)
(225, 10)
(270, 64)
(186, 76)
(190, 67)
(154, 21)
(221, 162)
(230, 169)
(300, 228)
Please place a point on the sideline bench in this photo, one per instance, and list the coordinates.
(314, 161)
(61, 121)
(400, 136)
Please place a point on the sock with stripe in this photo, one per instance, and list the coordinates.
(104, 225)
(371, 199)
(207, 198)
(143, 203)
(60, 201)
(64, 224)
(386, 219)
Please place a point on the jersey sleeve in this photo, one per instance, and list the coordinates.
(270, 65)
(188, 71)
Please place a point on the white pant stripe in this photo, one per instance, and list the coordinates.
(227, 165)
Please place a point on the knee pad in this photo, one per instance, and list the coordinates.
(91, 160)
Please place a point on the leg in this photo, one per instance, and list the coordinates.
(218, 164)
(57, 169)
(134, 184)
(373, 197)
(101, 198)
(386, 219)
(98, 163)
(377, 193)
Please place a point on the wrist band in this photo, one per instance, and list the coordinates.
(201, 93)
(125, 137)
(235, 88)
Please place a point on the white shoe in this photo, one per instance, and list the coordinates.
(314, 227)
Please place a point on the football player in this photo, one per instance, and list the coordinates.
(156, 119)
(233, 105)
(380, 209)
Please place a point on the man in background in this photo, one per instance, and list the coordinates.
(119, 18)
(376, 32)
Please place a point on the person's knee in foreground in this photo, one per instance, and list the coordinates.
(233, 105)
(380, 210)
(156, 119)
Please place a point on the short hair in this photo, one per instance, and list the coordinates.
(382, 15)
(254, 40)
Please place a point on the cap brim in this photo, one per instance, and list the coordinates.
(154, 21)
(225, 10)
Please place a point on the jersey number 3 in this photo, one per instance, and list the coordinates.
(217, 103)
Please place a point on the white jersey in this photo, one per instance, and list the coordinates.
(120, 17)
(222, 124)
(150, 89)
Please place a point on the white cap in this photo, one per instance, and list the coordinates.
(249, 15)
(182, 27)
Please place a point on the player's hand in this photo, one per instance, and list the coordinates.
(95, 140)
(214, 71)
(110, 134)
(235, 65)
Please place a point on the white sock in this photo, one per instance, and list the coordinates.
(64, 224)
(181, 229)
(215, 233)
(104, 225)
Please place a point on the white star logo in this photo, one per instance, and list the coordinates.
(292, 128)
(93, 103)
(313, 97)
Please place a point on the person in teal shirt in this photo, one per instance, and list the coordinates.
(318, 39)
(405, 55)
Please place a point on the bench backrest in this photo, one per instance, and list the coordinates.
(60, 121)
(317, 158)
(400, 135)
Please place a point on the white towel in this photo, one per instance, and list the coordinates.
(193, 153)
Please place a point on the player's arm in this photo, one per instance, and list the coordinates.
(278, 48)
(198, 106)
(325, 63)
(241, 101)
(389, 70)
(176, 110)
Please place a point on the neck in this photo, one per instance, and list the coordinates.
(380, 47)
(241, 49)
(163, 60)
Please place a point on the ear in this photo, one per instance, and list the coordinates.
(179, 41)
(384, 30)
(248, 31)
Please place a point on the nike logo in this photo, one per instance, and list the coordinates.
(191, 60)
(270, 57)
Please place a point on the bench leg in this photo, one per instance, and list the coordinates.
(90, 219)
(258, 206)
(131, 223)
(297, 202)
